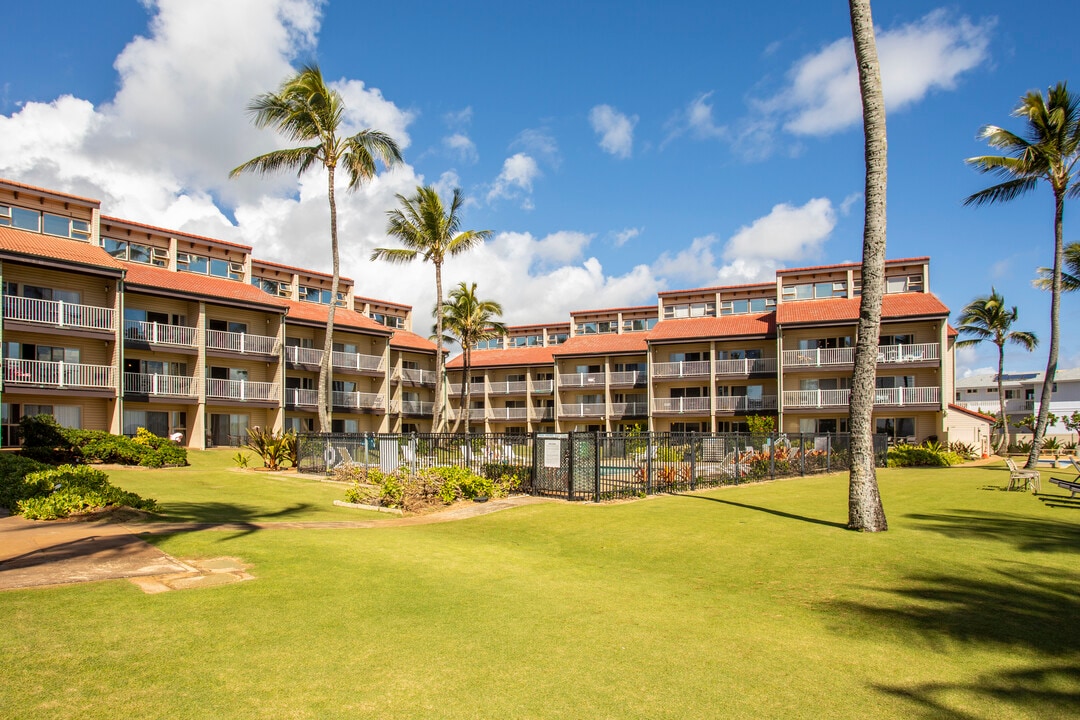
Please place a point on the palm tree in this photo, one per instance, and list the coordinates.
(987, 318)
(429, 231)
(305, 110)
(1049, 152)
(865, 511)
(1070, 275)
(469, 320)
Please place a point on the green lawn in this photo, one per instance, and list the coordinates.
(741, 602)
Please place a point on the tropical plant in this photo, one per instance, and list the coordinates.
(1049, 151)
(305, 110)
(1030, 422)
(430, 231)
(760, 424)
(275, 448)
(1072, 422)
(1070, 275)
(468, 320)
(988, 318)
(865, 511)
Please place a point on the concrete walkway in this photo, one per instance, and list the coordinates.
(37, 553)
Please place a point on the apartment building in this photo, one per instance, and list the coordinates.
(704, 359)
(1023, 391)
(112, 324)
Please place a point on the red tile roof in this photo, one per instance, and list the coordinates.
(343, 317)
(376, 301)
(298, 270)
(557, 325)
(758, 324)
(405, 340)
(46, 191)
(602, 344)
(742, 286)
(206, 287)
(509, 357)
(611, 310)
(33, 245)
(973, 413)
(900, 305)
(953, 332)
(838, 266)
(179, 234)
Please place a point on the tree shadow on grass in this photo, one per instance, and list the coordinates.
(245, 519)
(770, 511)
(1021, 607)
(1024, 532)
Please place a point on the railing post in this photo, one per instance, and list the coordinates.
(243, 383)
(60, 373)
(60, 313)
(694, 439)
(650, 449)
(570, 468)
(596, 466)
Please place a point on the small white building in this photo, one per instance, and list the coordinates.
(1022, 393)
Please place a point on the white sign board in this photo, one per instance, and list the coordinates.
(552, 453)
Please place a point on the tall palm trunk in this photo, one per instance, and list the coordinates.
(466, 389)
(324, 394)
(1055, 302)
(1006, 437)
(865, 511)
(440, 368)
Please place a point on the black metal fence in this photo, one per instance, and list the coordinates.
(595, 465)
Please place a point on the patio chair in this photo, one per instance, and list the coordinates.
(1076, 465)
(1021, 479)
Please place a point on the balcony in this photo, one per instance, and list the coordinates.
(59, 314)
(992, 407)
(542, 387)
(508, 387)
(677, 370)
(582, 410)
(159, 334)
(415, 376)
(695, 405)
(883, 397)
(887, 355)
(744, 404)
(455, 389)
(746, 366)
(295, 355)
(301, 397)
(542, 413)
(179, 386)
(628, 379)
(578, 380)
(629, 409)
(357, 362)
(471, 414)
(358, 400)
(242, 343)
(505, 413)
(45, 373)
(414, 407)
(217, 389)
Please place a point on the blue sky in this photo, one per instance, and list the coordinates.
(614, 149)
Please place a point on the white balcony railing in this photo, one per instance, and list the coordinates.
(415, 376)
(842, 398)
(693, 368)
(629, 409)
(887, 355)
(160, 385)
(245, 343)
(681, 405)
(992, 407)
(356, 361)
(358, 400)
(542, 387)
(470, 414)
(414, 407)
(582, 410)
(241, 390)
(746, 366)
(455, 389)
(57, 313)
(628, 378)
(159, 333)
(507, 387)
(505, 413)
(302, 355)
(58, 374)
(742, 403)
(301, 397)
(542, 413)
(581, 380)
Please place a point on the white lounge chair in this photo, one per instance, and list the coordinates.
(1022, 479)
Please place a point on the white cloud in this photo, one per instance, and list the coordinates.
(624, 236)
(461, 147)
(615, 129)
(518, 172)
(787, 234)
(538, 143)
(822, 95)
(847, 203)
(695, 120)
(459, 118)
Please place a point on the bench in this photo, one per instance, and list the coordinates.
(1070, 485)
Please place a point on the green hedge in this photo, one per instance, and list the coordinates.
(40, 492)
(46, 441)
(920, 455)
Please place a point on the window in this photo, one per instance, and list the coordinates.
(558, 338)
(186, 262)
(752, 354)
(727, 427)
(810, 291)
(490, 344)
(9, 420)
(607, 326)
(272, 287)
(903, 283)
(315, 295)
(685, 427)
(73, 297)
(894, 381)
(752, 305)
(227, 429)
(903, 427)
(676, 311)
(299, 342)
(226, 269)
(688, 356)
(587, 328)
(69, 416)
(345, 425)
(631, 367)
(639, 325)
(823, 425)
(804, 291)
(383, 319)
(300, 425)
(47, 353)
(843, 341)
(227, 326)
(1010, 394)
(526, 341)
(135, 252)
(155, 422)
(690, 392)
(896, 339)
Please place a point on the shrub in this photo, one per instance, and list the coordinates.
(60, 491)
(273, 447)
(415, 492)
(921, 455)
(46, 441)
(968, 452)
(13, 471)
(1020, 448)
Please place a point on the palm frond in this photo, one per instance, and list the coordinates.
(395, 256)
(277, 160)
(1003, 192)
(1026, 340)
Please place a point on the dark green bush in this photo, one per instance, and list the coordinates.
(61, 491)
(414, 492)
(46, 441)
(13, 486)
(920, 455)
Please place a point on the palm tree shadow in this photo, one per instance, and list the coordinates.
(770, 511)
(245, 519)
(1024, 532)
